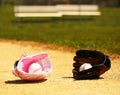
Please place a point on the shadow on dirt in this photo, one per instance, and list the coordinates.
(24, 81)
(83, 79)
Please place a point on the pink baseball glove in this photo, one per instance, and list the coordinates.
(35, 67)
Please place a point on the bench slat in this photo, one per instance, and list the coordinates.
(35, 9)
(88, 7)
(38, 14)
(81, 13)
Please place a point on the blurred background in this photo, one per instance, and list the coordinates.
(78, 32)
(102, 3)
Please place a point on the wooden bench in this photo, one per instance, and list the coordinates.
(36, 11)
(56, 10)
(82, 10)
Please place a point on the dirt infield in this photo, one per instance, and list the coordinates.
(60, 82)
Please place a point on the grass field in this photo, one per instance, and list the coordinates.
(101, 33)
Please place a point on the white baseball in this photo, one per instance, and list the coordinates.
(35, 68)
(85, 66)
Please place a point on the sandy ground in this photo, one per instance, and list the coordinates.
(60, 82)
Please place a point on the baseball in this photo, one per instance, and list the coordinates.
(85, 66)
(35, 68)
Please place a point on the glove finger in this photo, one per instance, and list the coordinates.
(77, 65)
(88, 60)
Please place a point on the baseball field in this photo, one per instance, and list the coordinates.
(60, 82)
(60, 38)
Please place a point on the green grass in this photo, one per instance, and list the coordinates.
(101, 33)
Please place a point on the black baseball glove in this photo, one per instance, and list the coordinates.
(90, 64)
